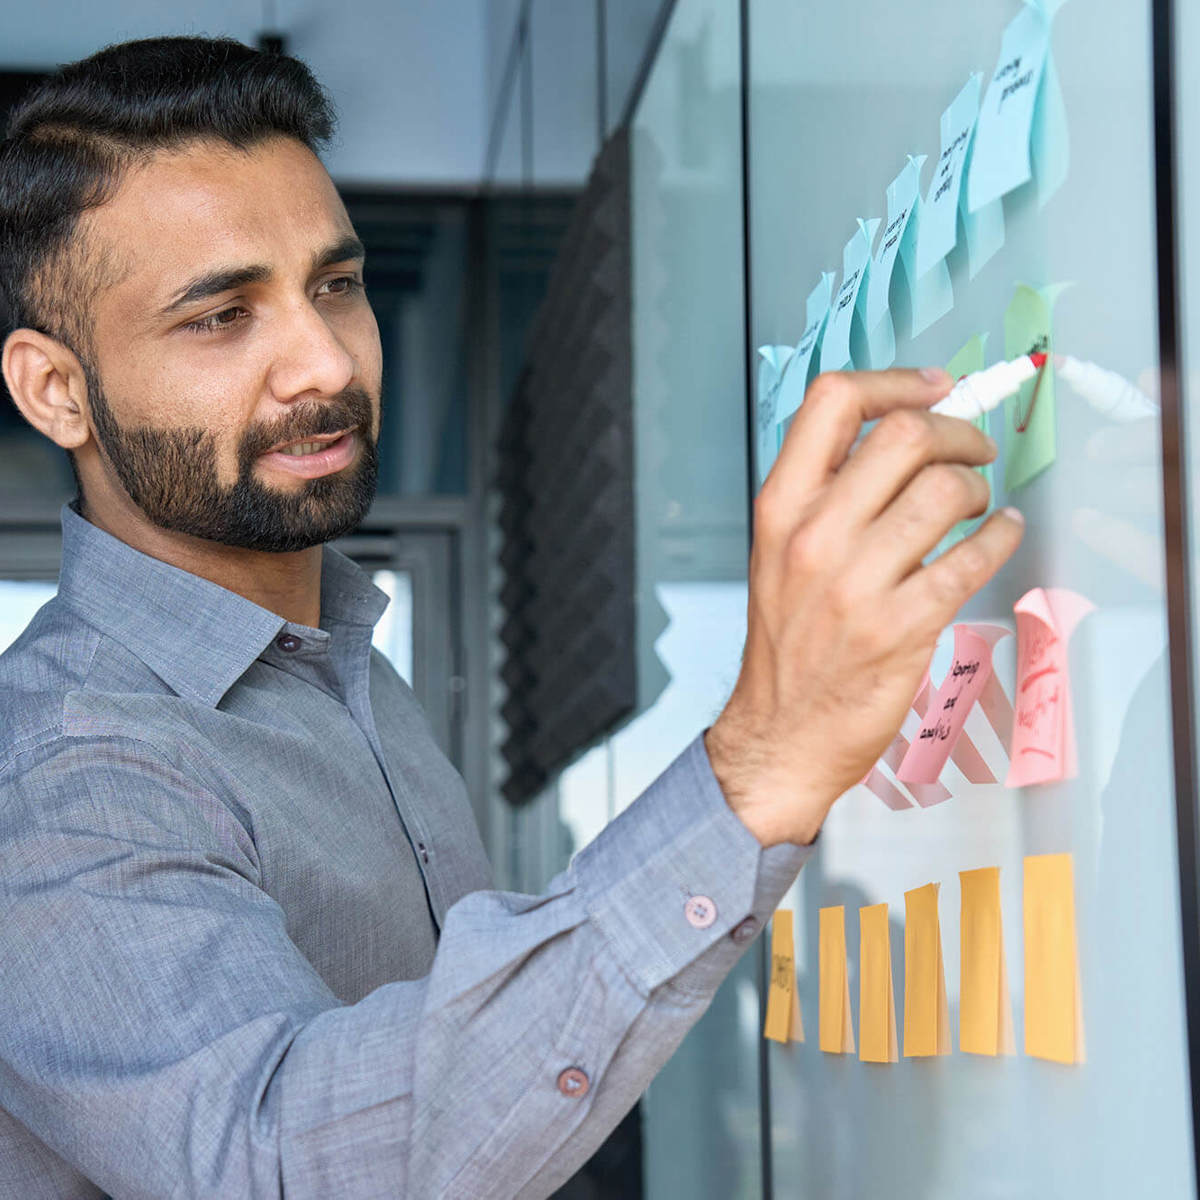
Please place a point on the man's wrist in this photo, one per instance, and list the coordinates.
(774, 807)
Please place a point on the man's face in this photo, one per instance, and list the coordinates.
(237, 333)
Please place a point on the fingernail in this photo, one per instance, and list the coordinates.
(935, 375)
(992, 442)
(1014, 514)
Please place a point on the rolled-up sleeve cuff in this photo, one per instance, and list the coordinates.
(672, 878)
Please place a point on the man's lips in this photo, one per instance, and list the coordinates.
(323, 439)
(333, 456)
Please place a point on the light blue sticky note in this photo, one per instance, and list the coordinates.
(939, 214)
(771, 362)
(798, 369)
(901, 199)
(984, 229)
(1000, 160)
(1049, 141)
(856, 268)
(931, 295)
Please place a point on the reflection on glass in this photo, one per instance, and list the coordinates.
(19, 600)
(393, 634)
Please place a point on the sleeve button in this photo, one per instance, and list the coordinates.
(288, 641)
(700, 911)
(574, 1083)
(745, 931)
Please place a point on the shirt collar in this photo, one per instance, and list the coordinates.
(195, 635)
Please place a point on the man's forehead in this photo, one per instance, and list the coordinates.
(208, 206)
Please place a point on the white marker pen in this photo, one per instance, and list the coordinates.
(981, 391)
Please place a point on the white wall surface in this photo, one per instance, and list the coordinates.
(409, 77)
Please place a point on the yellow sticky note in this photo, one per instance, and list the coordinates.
(876, 997)
(836, 1033)
(926, 1014)
(984, 1005)
(1053, 1010)
(783, 1023)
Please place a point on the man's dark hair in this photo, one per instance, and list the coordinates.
(69, 142)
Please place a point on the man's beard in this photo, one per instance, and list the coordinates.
(171, 475)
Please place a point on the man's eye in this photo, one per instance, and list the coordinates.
(217, 321)
(351, 284)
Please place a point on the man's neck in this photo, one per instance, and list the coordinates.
(288, 584)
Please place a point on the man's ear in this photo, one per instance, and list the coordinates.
(47, 383)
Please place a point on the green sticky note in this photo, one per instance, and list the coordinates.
(1029, 417)
(968, 360)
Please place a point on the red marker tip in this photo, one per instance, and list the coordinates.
(1038, 360)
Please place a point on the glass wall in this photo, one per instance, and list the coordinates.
(840, 97)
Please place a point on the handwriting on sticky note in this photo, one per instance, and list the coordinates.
(946, 713)
(1053, 1007)
(926, 1014)
(836, 1031)
(1043, 742)
(856, 270)
(984, 1004)
(783, 1022)
(876, 998)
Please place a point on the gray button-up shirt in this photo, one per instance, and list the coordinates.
(246, 943)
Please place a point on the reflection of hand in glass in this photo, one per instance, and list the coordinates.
(1127, 457)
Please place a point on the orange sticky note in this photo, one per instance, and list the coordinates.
(876, 998)
(984, 1005)
(783, 1023)
(1053, 1009)
(926, 1013)
(836, 1033)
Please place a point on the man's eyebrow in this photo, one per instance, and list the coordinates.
(225, 279)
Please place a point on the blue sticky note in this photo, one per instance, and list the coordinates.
(798, 369)
(939, 214)
(1049, 142)
(930, 297)
(771, 362)
(856, 267)
(1001, 161)
(984, 228)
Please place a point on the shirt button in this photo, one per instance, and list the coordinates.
(288, 642)
(574, 1083)
(745, 932)
(700, 911)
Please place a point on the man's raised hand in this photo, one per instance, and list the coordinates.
(843, 616)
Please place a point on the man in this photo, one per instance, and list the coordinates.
(247, 946)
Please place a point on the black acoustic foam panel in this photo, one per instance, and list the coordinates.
(566, 478)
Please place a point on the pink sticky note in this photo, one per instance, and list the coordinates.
(877, 782)
(945, 712)
(1043, 741)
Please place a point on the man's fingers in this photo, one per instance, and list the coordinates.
(900, 446)
(934, 594)
(936, 499)
(834, 409)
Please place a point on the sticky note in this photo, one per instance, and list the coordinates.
(771, 361)
(836, 1031)
(926, 1013)
(940, 212)
(967, 360)
(1022, 120)
(1043, 740)
(783, 1023)
(1002, 152)
(984, 228)
(856, 267)
(799, 367)
(1053, 1007)
(948, 708)
(925, 794)
(1029, 416)
(877, 782)
(984, 1005)
(876, 999)
(930, 297)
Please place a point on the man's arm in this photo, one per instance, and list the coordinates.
(162, 1033)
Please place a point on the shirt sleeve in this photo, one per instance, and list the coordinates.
(161, 1032)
